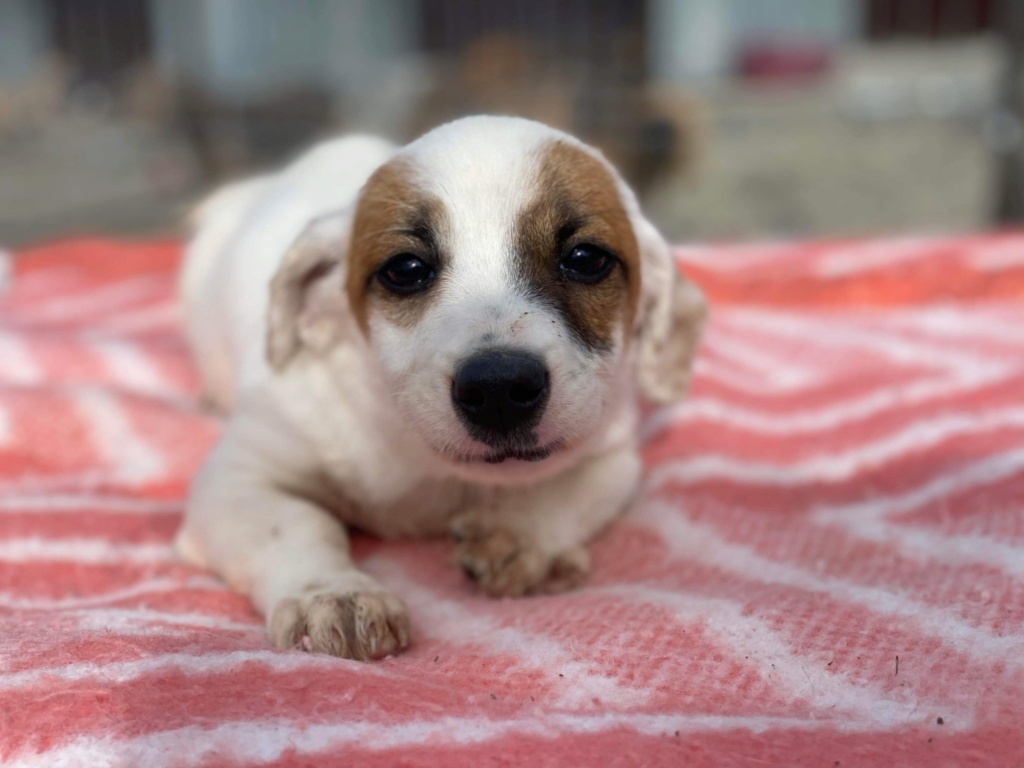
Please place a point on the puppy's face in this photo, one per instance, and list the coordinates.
(497, 278)
(495, 267)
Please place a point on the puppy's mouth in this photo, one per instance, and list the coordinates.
(512, 454)
(533, 454)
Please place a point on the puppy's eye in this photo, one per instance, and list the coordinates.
(405, 273)
(587, 264)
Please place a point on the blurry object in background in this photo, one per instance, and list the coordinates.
(251, 80)
(929, 19)
(100, 39)
(147, 95)
(951, 80)
(262, 79)
(32, 76)
(732, 118)
(77, 148)
(789, 42)
(1006, 128)
(231, 138)
(876, 130)
(671, 140)
(706, 41)
(27, 104)
(891, 140)
(785, 62)
(6, 267)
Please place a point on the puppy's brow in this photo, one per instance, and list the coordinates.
(423, 232)
(419, 231)
(573, 219)
(578, 221)
(587, 217)
(381, 232)
(568, 229)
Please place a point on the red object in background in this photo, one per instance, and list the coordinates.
(785, 61)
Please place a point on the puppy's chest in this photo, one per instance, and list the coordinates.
(401, 508)
(386, 488)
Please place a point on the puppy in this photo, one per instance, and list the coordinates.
(441, 338)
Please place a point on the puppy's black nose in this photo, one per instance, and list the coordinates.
(499, 392)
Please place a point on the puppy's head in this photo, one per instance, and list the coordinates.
(508, 288)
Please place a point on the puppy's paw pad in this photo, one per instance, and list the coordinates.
(360, 625)
(503, 565)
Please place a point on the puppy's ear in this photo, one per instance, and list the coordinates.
(308, 306)
(672, 315)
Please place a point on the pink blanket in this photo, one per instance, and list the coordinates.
(826, 568)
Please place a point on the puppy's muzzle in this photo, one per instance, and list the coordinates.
(501, 394)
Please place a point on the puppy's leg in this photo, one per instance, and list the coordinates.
(292, 559)
(524, 541)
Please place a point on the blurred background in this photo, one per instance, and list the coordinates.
(732, 118)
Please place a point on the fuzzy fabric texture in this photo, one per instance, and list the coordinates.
(826, 566)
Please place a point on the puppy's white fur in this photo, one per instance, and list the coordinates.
(356, 426)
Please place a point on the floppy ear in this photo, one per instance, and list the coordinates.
(672, 315)
(308, 306)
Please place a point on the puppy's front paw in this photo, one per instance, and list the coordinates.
(506, 565)
(358, 625)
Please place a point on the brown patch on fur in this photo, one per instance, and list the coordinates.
(577, 202)
(393, 216)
